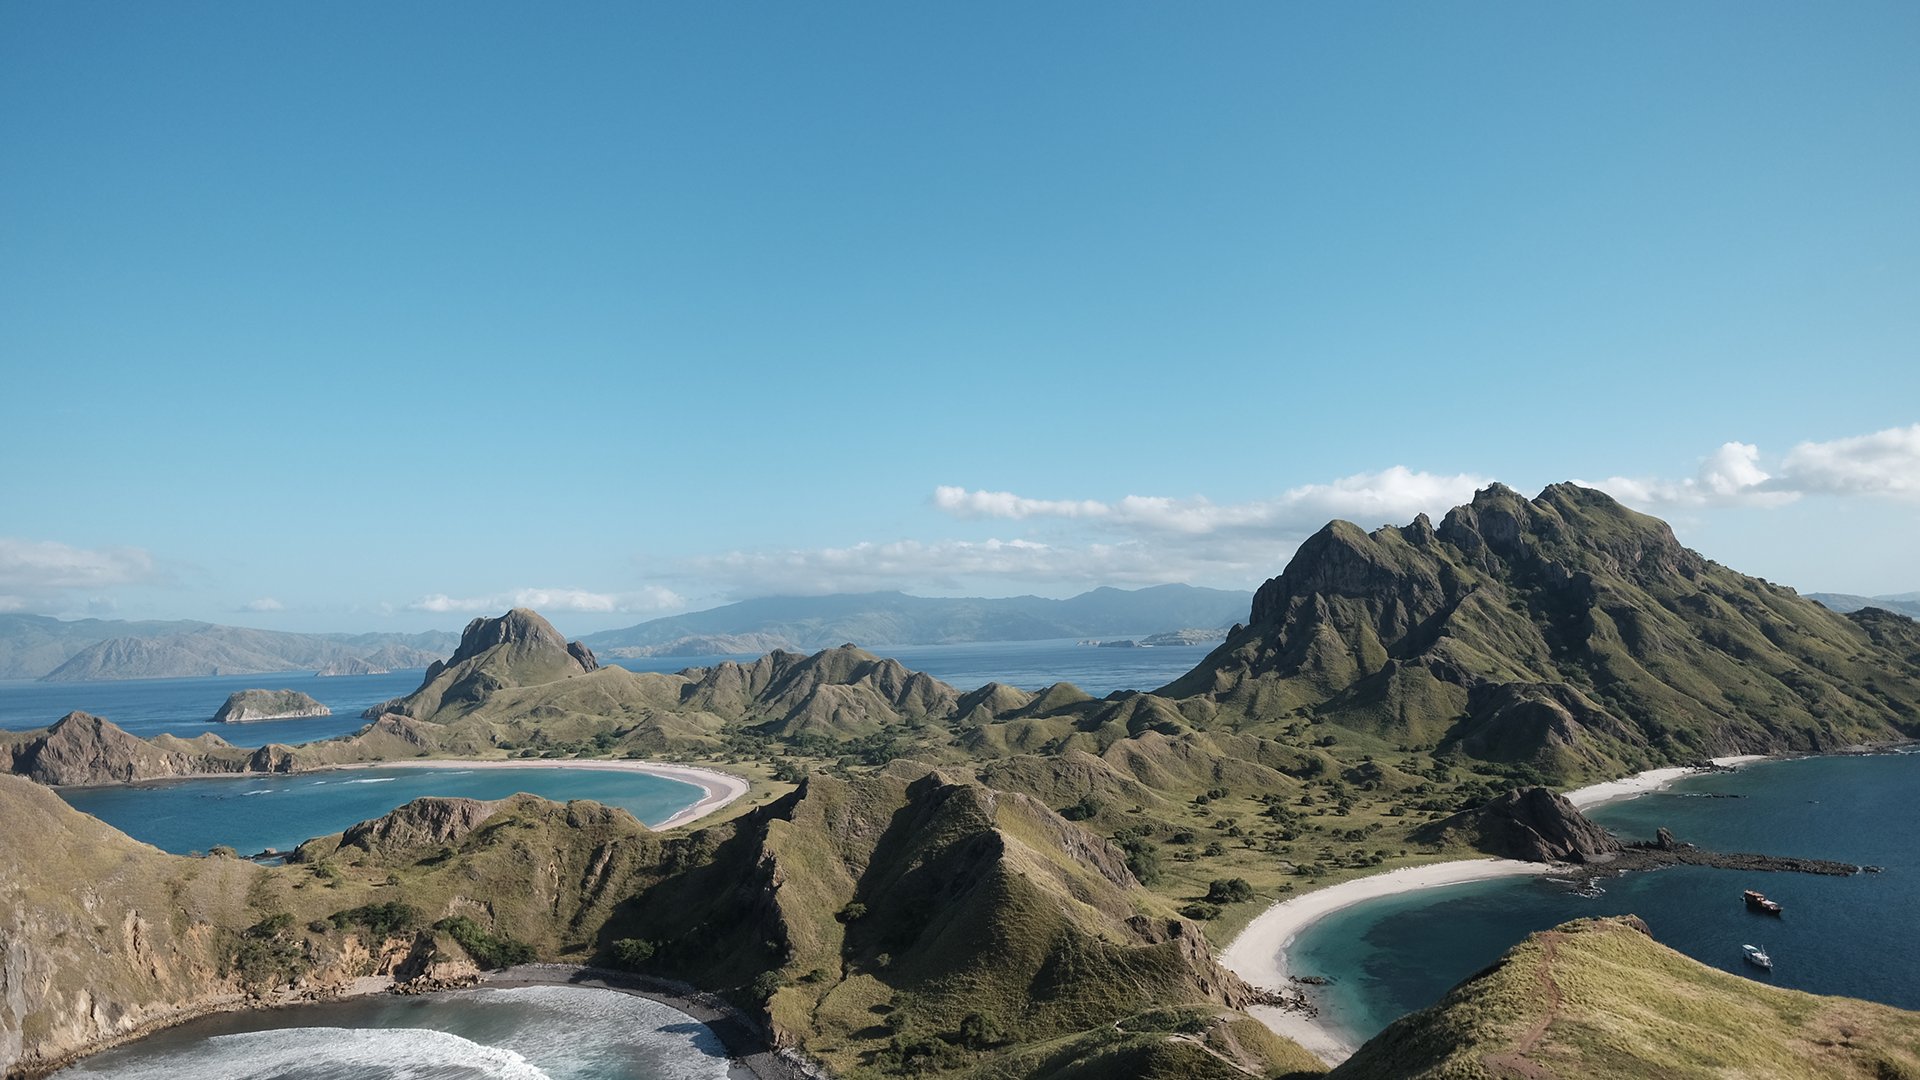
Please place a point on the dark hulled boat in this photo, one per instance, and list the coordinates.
(1759, 902)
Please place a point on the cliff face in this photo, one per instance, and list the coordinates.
(1565, 632)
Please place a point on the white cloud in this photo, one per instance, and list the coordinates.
(41, 566)
(647, 600)
(944, 564)
(960, 502)
(1391, 495)
(264, 603)
(1884, 464)
(1135, 540)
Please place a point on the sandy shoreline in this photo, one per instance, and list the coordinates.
(1259, 953)
(1642, 782)
(718, 788)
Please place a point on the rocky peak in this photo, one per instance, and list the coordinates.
(521, 626)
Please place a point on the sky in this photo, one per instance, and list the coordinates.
(368, 316)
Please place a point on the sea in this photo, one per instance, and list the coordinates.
(1838, 935)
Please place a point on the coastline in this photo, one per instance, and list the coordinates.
(1258, 954)
(718, 788)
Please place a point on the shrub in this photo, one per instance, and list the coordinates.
(488, 949)
(853, 912)
(1200, 911)
(1229, 891)
(632, 953)
(382, 920)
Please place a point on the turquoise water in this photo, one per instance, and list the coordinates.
(1852, 936)
(526, 1033)
(255, 813)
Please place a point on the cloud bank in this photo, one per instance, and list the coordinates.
(36, 574)
(1884, 464)
(649, 600)
(1135, 540)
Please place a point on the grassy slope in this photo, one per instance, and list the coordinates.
(1599, 999)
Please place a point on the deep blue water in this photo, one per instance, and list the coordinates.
(1852, 936)
(254, 813)
(527, 1033)
(1028, 665)
(185, 707)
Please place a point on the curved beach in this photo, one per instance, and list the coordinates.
(1259, 953)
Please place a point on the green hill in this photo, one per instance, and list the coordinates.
(1601, 1000)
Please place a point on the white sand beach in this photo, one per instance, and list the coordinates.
(720, 788)
(1259, 953)
(1640, 783)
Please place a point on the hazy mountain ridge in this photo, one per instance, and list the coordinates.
(889, 619)
(97, 650)
(1907, 604)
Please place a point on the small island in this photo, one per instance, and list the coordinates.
(250, 705)
(354, 666)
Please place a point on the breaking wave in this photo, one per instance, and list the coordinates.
(325, 1054)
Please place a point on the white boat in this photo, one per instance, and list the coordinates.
(1758, 957)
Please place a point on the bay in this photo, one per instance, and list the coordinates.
(1850, 936)
(256, 813)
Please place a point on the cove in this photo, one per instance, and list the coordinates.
(253, 813)
(1850, 936)
(525, 1033)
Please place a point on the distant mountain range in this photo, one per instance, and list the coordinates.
(1907, 604)
(38, 647)
(883, 620)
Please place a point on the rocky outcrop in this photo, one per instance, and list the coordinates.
(1531, 824)
(84, 749)
(421, 823)
(246, 705)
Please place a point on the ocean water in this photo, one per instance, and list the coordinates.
(524, 1033)
(185, 707)
(255, 813)
(1028, 665)
(1853, 936)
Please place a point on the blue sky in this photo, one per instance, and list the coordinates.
(366, 316)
